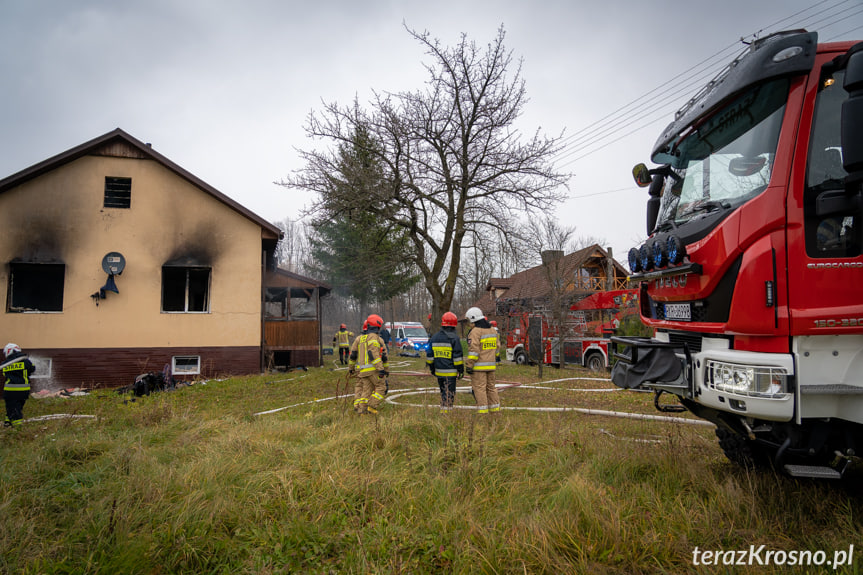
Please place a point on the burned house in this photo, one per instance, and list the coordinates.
(116, 261)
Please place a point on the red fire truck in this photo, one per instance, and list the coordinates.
(752, 272)
(535, 337)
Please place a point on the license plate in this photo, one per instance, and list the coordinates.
(678, 311)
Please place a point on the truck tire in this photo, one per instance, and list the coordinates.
(520, 357)
(743, 451)
(595, 362)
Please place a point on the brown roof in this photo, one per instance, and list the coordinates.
(102, 146)
(534, 282)
(281, 277)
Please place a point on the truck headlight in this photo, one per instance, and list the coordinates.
(749, 380)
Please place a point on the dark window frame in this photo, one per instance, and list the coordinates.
(40, 287)
(118, 192)
(186, 289)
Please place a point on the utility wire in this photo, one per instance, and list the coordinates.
(590, 139)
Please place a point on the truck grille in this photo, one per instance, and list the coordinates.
(693, 340)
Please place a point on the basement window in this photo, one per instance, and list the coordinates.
(118, 192)
(185, 289)
(35, 287)
(186, 365)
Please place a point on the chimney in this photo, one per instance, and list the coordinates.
(609, 274)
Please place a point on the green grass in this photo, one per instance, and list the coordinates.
(192, 481)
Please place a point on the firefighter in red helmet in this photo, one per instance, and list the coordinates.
(342, 340)
(444, 358)
(368, 361)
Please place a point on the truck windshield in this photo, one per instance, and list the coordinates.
(415, 332)
(726, 159)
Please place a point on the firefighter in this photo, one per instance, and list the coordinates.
(368, 361)
(342, 339)
(445, 359)
(358, 383)
(481, 361)
(16, 369)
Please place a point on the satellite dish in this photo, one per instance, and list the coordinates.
(113, 263)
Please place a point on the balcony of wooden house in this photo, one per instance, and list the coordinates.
(292, 333)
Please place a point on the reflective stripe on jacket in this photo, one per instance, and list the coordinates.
(367, 353)
(343, 337)
(445, 354)
(17, 373)
(482, 349)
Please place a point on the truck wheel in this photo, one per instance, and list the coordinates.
(595, 362)
(743, 451)
(520, 357)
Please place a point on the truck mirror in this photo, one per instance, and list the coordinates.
(641, 175)
(743, 166)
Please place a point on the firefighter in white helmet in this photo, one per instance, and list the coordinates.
(17, 369)
(481, 361)
(368, 361)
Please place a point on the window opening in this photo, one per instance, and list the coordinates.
(35, 287)
(118, 192)
(185, 289)
(837, 233)
(186, 365)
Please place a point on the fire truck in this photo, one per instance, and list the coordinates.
(752, 271)
(535, 337)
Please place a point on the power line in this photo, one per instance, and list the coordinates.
(590, 139)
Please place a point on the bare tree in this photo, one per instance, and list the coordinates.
(455, 166)
(293, 248)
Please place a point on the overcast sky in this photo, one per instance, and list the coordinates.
(223, 88)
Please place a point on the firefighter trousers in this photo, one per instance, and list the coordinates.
(15, 406)
(483, 386)
(344, 352)
(374, 389)
(447, 392)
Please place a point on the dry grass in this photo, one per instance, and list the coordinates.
(193, 481)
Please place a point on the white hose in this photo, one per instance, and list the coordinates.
(393, 396)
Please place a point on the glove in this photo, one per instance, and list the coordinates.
(382, 374)
(469, 370)
(497, 359)
(352, 370)
(460, 374)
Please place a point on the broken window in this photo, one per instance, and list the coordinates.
(276, 303)
(118, 192)
(35, 287)
(186, 365)
(185, 289)
(302, 307)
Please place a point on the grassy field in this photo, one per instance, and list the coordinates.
(276, 474)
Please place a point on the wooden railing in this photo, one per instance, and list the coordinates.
(292, 334)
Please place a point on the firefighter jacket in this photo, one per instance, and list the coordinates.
(17, 369)
(343, 338)
(444, 354)
(482, 349)
(368, 354)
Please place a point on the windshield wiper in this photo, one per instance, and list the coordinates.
(709, 206)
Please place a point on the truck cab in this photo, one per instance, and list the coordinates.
(752, 270)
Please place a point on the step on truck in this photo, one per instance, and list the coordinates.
(752, 273)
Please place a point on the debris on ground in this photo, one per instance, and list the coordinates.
(71, 392)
